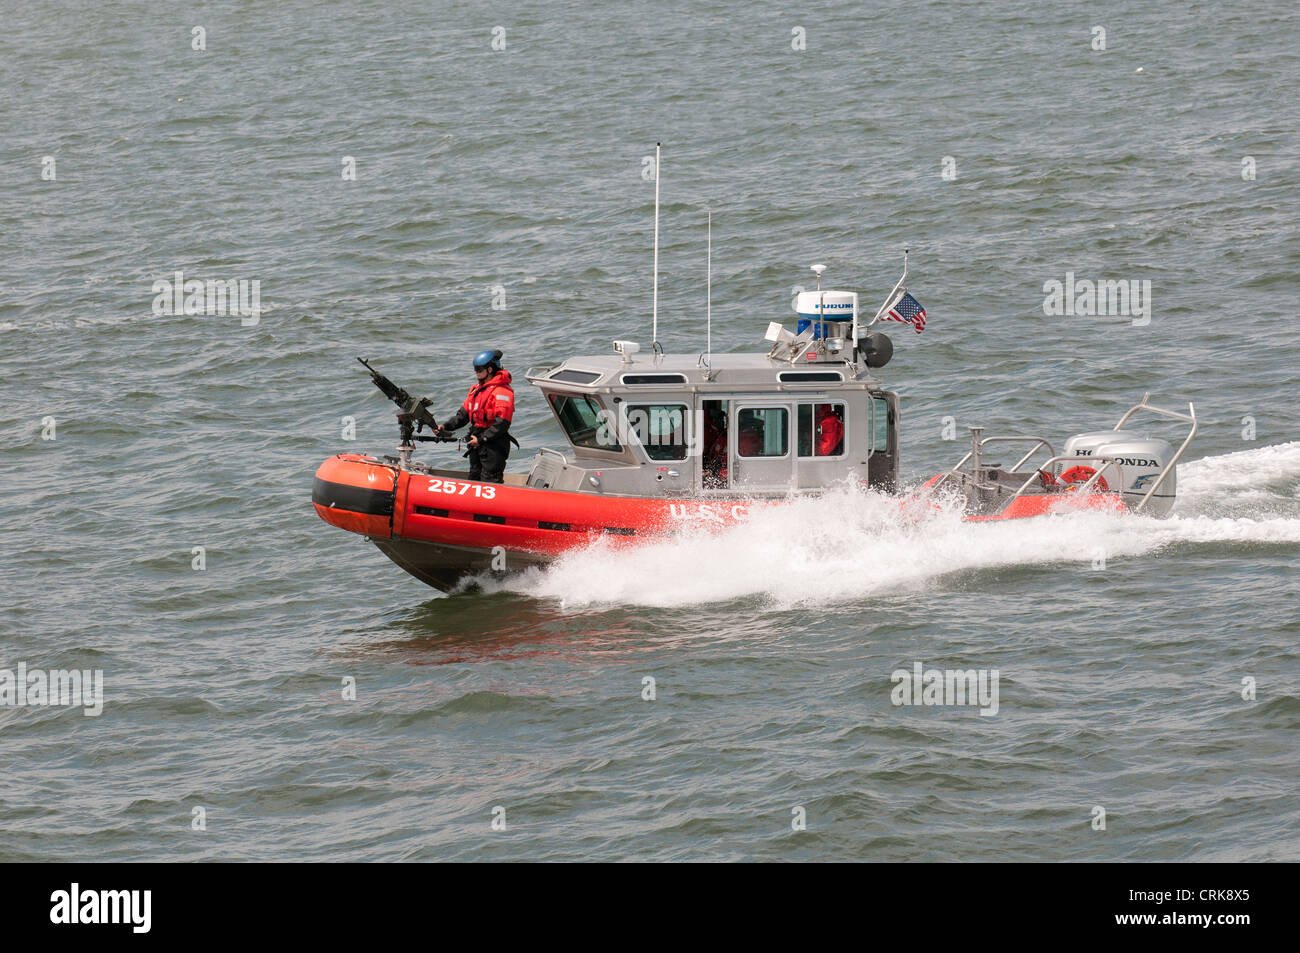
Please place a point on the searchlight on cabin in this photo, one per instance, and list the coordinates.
(627, 349)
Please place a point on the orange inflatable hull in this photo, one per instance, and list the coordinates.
(441, 527)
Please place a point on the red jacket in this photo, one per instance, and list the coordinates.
(486, 402)
(490, 399)
(830, 431)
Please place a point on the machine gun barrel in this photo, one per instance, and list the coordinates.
(397, 395)
(411, 409)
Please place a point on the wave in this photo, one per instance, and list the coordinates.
(846, 546)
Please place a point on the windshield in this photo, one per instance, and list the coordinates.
(584, 423)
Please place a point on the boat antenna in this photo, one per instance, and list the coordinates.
(654, 307)
(708, 297)
(821, 302)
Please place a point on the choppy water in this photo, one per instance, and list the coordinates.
(771, 645)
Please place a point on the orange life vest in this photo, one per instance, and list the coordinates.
(490, 399)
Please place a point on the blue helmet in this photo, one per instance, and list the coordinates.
(491, 359)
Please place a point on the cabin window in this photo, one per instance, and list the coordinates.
(584, 422)
(654, 378)
(880, 424)
(762, 432)
(809, 377)
(821, 430)
(661, 428)
(575, 377)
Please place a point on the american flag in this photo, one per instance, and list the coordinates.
(909, 311)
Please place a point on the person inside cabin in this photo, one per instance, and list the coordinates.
(488, 409)
(715, 446)
(830, 431)
(750, 442)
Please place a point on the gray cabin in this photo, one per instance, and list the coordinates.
(804, 416)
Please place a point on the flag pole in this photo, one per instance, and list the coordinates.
(894, 295)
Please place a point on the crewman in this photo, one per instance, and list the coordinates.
(488, 409)
(830, 431)
(750, 442)
(715, 445)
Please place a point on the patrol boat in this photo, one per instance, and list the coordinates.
(657, 442)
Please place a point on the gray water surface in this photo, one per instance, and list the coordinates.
(520, 170)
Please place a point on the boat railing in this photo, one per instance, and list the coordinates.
(542, 452)
(978, 444)
(1189, 417)
(539, 371)
(562, 457)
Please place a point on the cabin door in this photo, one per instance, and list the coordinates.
(760, 445)
(882, 434)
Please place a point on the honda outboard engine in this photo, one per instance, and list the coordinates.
(1141, 462)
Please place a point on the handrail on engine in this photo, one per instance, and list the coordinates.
(1189, 417)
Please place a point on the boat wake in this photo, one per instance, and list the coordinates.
(845, 546)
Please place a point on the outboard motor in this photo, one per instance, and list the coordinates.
(1141, 462)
